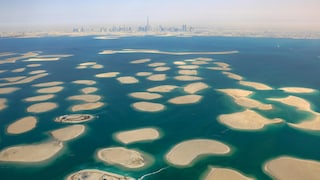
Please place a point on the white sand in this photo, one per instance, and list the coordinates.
(88, 63)
(294, 101)
(18, 70)
(87, 106)
(36, 59)
(127, 158)
(86, 98)
(137, 135)
(85, 82)
(139, 61)
(312, 124)
(179, 63)
(162, 88)
(204, 59)
(145, 95)
(68, 133)
(31, 153)
(37, 72)
(148, 106)
(42, 107)
(188, 67)
(157, 77)
(8, 90)
(195, 87)
(13, 79)
(247, 120)
(81, 67)
(94, 174)
(54, 89)
(33, 65)
(22, 125)
(186, 152)
(186, 99)
(292, 168)
(39, 98)
(188, 72)
(225, 174)
(187, 78)
(46, 84)
(233, 76)
(236, 92)
(3, 103)
(97, 66)
(297, 90)
(156, 64)
(107, 75)
(127, 80)
(143, 73)
(256, 85)
(89, 90)
(162, 68)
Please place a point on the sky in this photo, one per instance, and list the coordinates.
(299, 14)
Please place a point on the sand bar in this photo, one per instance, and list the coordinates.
(233, 76)
(222, 64)
(162, 88)
(8, 90)
(94, 174)
(37, 72)
(148, 106)
(127, 158)
(68, 133)
(139, 61)
(255, 85)
(179, 63)
(225, 173)
(184, 153)
(33, 65)
(2, 54)
(88, 64)
(247, 120)
(186, 99)
(97, 66)
(26, 80)
(85, 82)
(13, 79)
(312, 124)
(3, 103)
(54, 89)
(236, 92)
(188, 72)
(157, 77)
(187, 78)
(294, 101)
(31, 153)
(18, 70)
(152, 51)
(81, 67)
(87, 106)
(292, 168)
(42, 107)
(47, 84)
(14, 59)
(86, 98)
(89, 90)
(188, 67)
(143, 73)
(127, 80)
(195, 87)
(22, 125)
(37, 59)
(107, 75)
(219, 68)
(297, 90)
(39, 98)
(137, 135)
(162, 68)
(145, 95)
(156, 64)
(199, 62)
(204, 59)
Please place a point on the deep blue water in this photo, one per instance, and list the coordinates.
(276, 62)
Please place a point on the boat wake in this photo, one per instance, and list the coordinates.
(152, 173)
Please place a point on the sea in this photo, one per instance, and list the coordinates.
(277, 62)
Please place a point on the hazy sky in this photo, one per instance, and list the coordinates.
(260, 13)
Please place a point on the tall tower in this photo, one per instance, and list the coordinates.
(147, 25)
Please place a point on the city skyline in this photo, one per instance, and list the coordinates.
(290, 14)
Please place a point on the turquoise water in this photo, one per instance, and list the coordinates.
(276, 62)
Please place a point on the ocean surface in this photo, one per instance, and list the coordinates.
(275, 62)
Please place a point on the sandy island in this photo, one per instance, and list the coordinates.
(94, 174)
(312, 124)
(22, 125)
(16, 58)
(31, 153)
(87, 106)
(42, 107)
(13, 79)
(18, 70)
(89, 90)
(179, 63)
(188, 67)
(145, 95)
(25, 80)
(85, 98)
(186, 99)
(68, 133)
(199, 62)
(127, 80)
(139, 61)
(33, 65)
(107, 75)
(97, 66)
(195, 87)
(53, 83)
(3, 103)
(88, 63)
(225, 173)
(157, 77)
(294, 101)
(37, 72)
(162, 68)
(143, 73)
(256, 85)
(137, 135)
(292, 168)
(187, 78)
(162, 88)
(188, 72)
(152, 51)
(184, 153)
(233, 76)
(8, 90)
(85, 82)
(127, 158)
(247, 120)
(156, 64)
(54, 89)
(148, 106)
(39, 98)
(297, 90)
